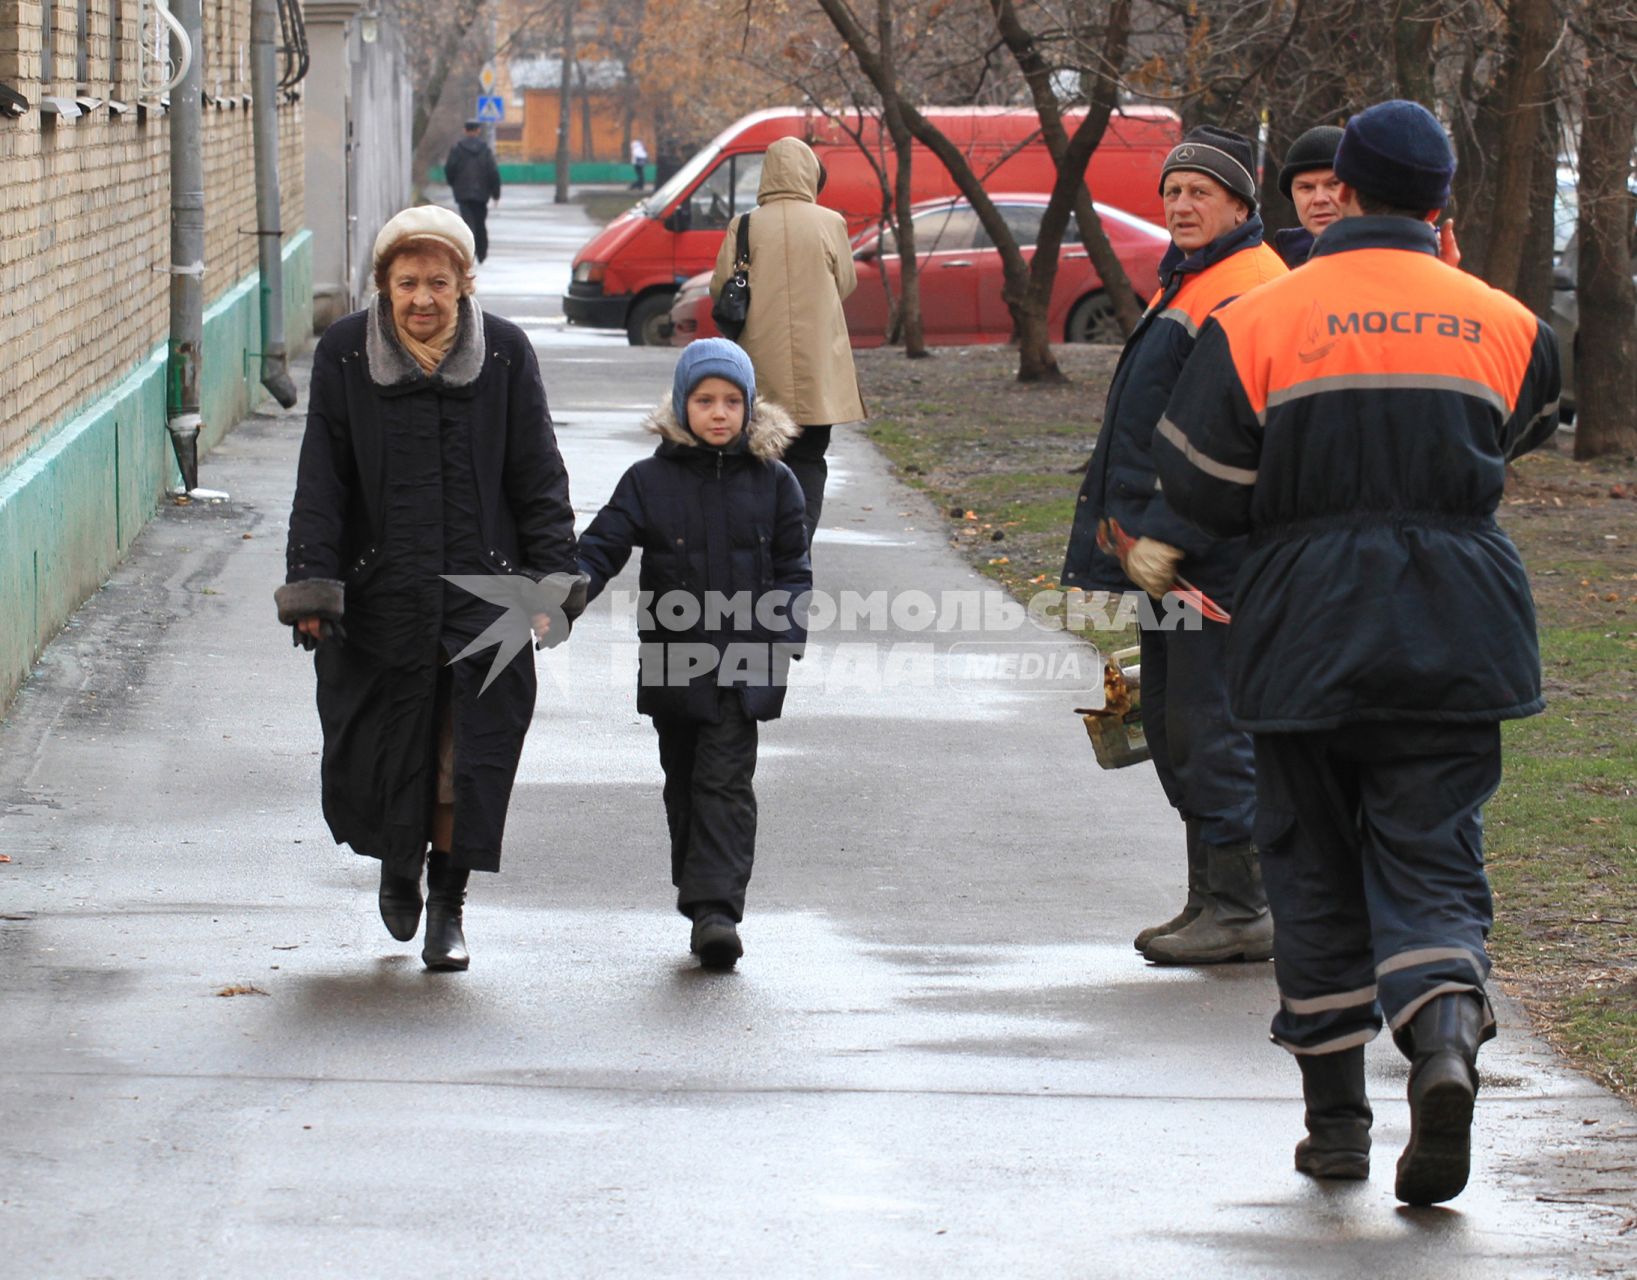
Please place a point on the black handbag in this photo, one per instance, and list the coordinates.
(732, 305)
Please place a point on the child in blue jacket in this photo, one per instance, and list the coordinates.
(719, 520)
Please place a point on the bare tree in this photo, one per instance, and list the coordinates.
(903, 197)
(1606, 369)
(565, 91)
(1035, 358)
(1071, 155)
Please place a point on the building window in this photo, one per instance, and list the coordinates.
(48, 41)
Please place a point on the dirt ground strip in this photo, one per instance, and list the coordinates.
(1003, 462)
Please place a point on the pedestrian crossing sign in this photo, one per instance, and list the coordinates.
(490, 109)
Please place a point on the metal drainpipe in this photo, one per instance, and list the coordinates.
(264, 90)
(187, 253)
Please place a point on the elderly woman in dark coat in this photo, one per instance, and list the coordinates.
(428, 454)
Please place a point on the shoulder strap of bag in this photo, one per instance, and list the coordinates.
(741, 248)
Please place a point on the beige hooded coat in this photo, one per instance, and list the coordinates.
(801, 267)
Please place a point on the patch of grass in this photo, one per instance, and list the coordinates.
(1562, 850)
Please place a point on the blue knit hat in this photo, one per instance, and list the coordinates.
(1397, 152)
(711, 358)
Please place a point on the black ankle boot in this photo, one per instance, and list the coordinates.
(715, 938)
(1338, 1116)
(445, 896)
(400, 899)
(1443, 1043)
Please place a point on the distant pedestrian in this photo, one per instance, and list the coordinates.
(1203, 760)
(639, 164)
(801, 270)
(474, 178)
(428, 451)
(1355, 420)
(718, 519)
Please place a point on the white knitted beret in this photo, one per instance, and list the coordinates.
(427, 222)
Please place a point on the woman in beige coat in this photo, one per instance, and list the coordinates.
(801, 267)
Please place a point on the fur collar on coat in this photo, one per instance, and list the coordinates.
(769, 433)
(391, 366)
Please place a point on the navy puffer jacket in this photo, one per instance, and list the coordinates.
(1121, 482)
(710, 523)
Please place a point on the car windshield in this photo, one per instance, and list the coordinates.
(655, 205)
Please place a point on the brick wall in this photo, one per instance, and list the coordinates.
(85, 204)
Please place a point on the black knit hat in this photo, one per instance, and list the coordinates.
(1397, 152)
(1315, 149)
(1223, 154)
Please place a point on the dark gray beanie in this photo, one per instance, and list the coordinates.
(1315, 149)
(1397, 152)
(1223, 154)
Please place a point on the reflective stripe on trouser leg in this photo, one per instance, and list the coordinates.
(1322, 952)
(1422, 788)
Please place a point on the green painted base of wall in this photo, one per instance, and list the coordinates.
(230, 376)
(590, 172)
(70, 509)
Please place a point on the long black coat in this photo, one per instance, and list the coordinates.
(367, 544)
(711, 523)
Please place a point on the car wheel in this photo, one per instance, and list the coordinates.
(1093, 320)
(645, 325)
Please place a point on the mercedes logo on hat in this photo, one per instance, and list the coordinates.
(1185, 153)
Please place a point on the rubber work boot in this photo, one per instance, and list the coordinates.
(1196, 893)
(445, 896)
(1338, 1116)
(1235, 923)
(716, 940)
(1444, 1038)
(400, 900)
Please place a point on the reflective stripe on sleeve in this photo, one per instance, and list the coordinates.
(1181, 317)
(1210, 466)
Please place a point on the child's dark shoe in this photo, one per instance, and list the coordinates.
(716, 941)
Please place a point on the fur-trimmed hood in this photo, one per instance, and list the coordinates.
(391, 366)
(768, 434)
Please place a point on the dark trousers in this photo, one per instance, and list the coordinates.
(806, 458)
(1206, 766)
(710, 804)
(642, 177)
(476, 214)
(1372, 852)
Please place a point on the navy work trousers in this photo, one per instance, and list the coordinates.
(1371, 838)
(710, 804)
(476, 215)
(1206, 766)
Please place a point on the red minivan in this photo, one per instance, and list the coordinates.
(626, 276)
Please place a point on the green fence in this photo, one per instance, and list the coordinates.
(587, 173)
(70, 508)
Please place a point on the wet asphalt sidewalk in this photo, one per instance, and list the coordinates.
(940, 1056)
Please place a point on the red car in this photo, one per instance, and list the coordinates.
(961, 277)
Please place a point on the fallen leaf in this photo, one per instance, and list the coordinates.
(4, 857)
(241, 991)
